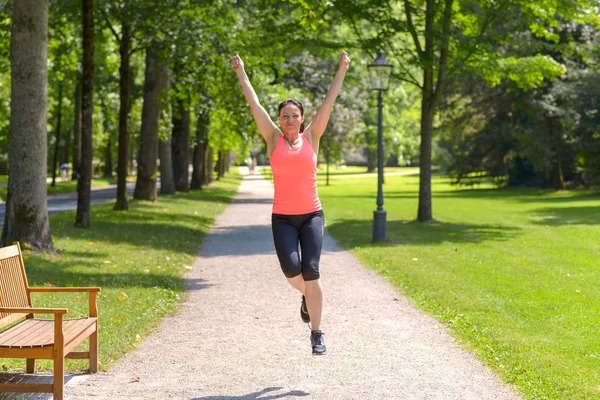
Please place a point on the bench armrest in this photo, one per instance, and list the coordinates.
(29, 310)
(65, 289)
(91, 291)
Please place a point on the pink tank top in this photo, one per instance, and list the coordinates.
(295, 179)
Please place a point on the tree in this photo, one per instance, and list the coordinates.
(26, 217)
(154, 83)
(442, 37)
(77, 130)
(82, 218)
(127, 18)
(200, 149)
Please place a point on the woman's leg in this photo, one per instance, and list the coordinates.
(285, 238)
(311, 242)
(297, 283)
(314, 302)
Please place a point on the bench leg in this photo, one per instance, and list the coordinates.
(59, 377)
(30, 365)
(94, 352)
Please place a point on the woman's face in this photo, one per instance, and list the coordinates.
(291, 118)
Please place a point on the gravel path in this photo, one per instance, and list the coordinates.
(239, 333)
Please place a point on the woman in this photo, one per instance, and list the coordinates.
(297, 215)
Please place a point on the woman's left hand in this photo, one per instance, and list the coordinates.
(344, 61)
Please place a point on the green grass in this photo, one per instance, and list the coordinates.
(137, 257)
(513, 273)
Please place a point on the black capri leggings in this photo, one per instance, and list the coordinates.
(306, 229)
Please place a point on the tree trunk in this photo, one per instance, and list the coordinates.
(57, 144)
(108, 165)
(200, 149)
(219, 166)
(181, 147)
(425, 213)
(167, 183)
(108, 161)
(557, 178)
(66, 147)
(84, 184)
(145, 187)
(26, 218)
(77, 131)
(199, 162)
(209, 166)
(121, 203)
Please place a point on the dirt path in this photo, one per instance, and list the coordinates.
(239, 333)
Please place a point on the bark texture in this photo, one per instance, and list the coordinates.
(121, 203)
(167, 183)
(84, 184)
(181, 147)
(26, 218)
(200, 150)
(154, 83)
(77, 132)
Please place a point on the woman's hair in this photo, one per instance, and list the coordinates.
(297, 104)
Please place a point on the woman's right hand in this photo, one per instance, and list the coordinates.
(237, 64)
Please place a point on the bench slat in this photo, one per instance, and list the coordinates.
(23, 327)
(26, 388)
(40, 333)
(13, 284)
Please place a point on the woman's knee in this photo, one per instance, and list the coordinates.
(291, 269)
(311, 272)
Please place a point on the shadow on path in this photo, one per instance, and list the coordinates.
(259, 395)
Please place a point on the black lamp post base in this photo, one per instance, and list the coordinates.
(379, 226)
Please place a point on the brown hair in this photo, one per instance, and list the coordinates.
(297, 104)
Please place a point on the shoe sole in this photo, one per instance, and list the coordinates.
(319, 354)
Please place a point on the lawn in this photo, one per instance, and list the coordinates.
(513, 273)
(138, 258)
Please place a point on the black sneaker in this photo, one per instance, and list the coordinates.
(318, 346)
(304, 311)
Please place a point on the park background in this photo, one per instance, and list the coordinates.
(490, 137)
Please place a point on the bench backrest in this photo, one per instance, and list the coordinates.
(14, 289)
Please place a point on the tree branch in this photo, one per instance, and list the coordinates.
(109, 24)
(487, 22)
(411, 28)
(135, 49)
(411, 81)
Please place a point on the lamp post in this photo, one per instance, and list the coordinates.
(380, 70)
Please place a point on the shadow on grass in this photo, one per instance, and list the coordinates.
(262, 395)
(65, 274)
(141, 231)
(555, 216)
(523, 195)
(359, 233)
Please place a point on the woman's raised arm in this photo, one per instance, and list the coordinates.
(318, 125)
(265, 125)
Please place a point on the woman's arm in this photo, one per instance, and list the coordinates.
(265, 125)
(318, 125)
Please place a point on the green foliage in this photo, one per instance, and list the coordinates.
(521, 132)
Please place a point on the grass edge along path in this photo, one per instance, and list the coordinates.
(138, 258)
(512, 273)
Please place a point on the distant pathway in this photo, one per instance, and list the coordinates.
(68, 201)
(239, 335)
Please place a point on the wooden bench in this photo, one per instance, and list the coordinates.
(33, 338)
